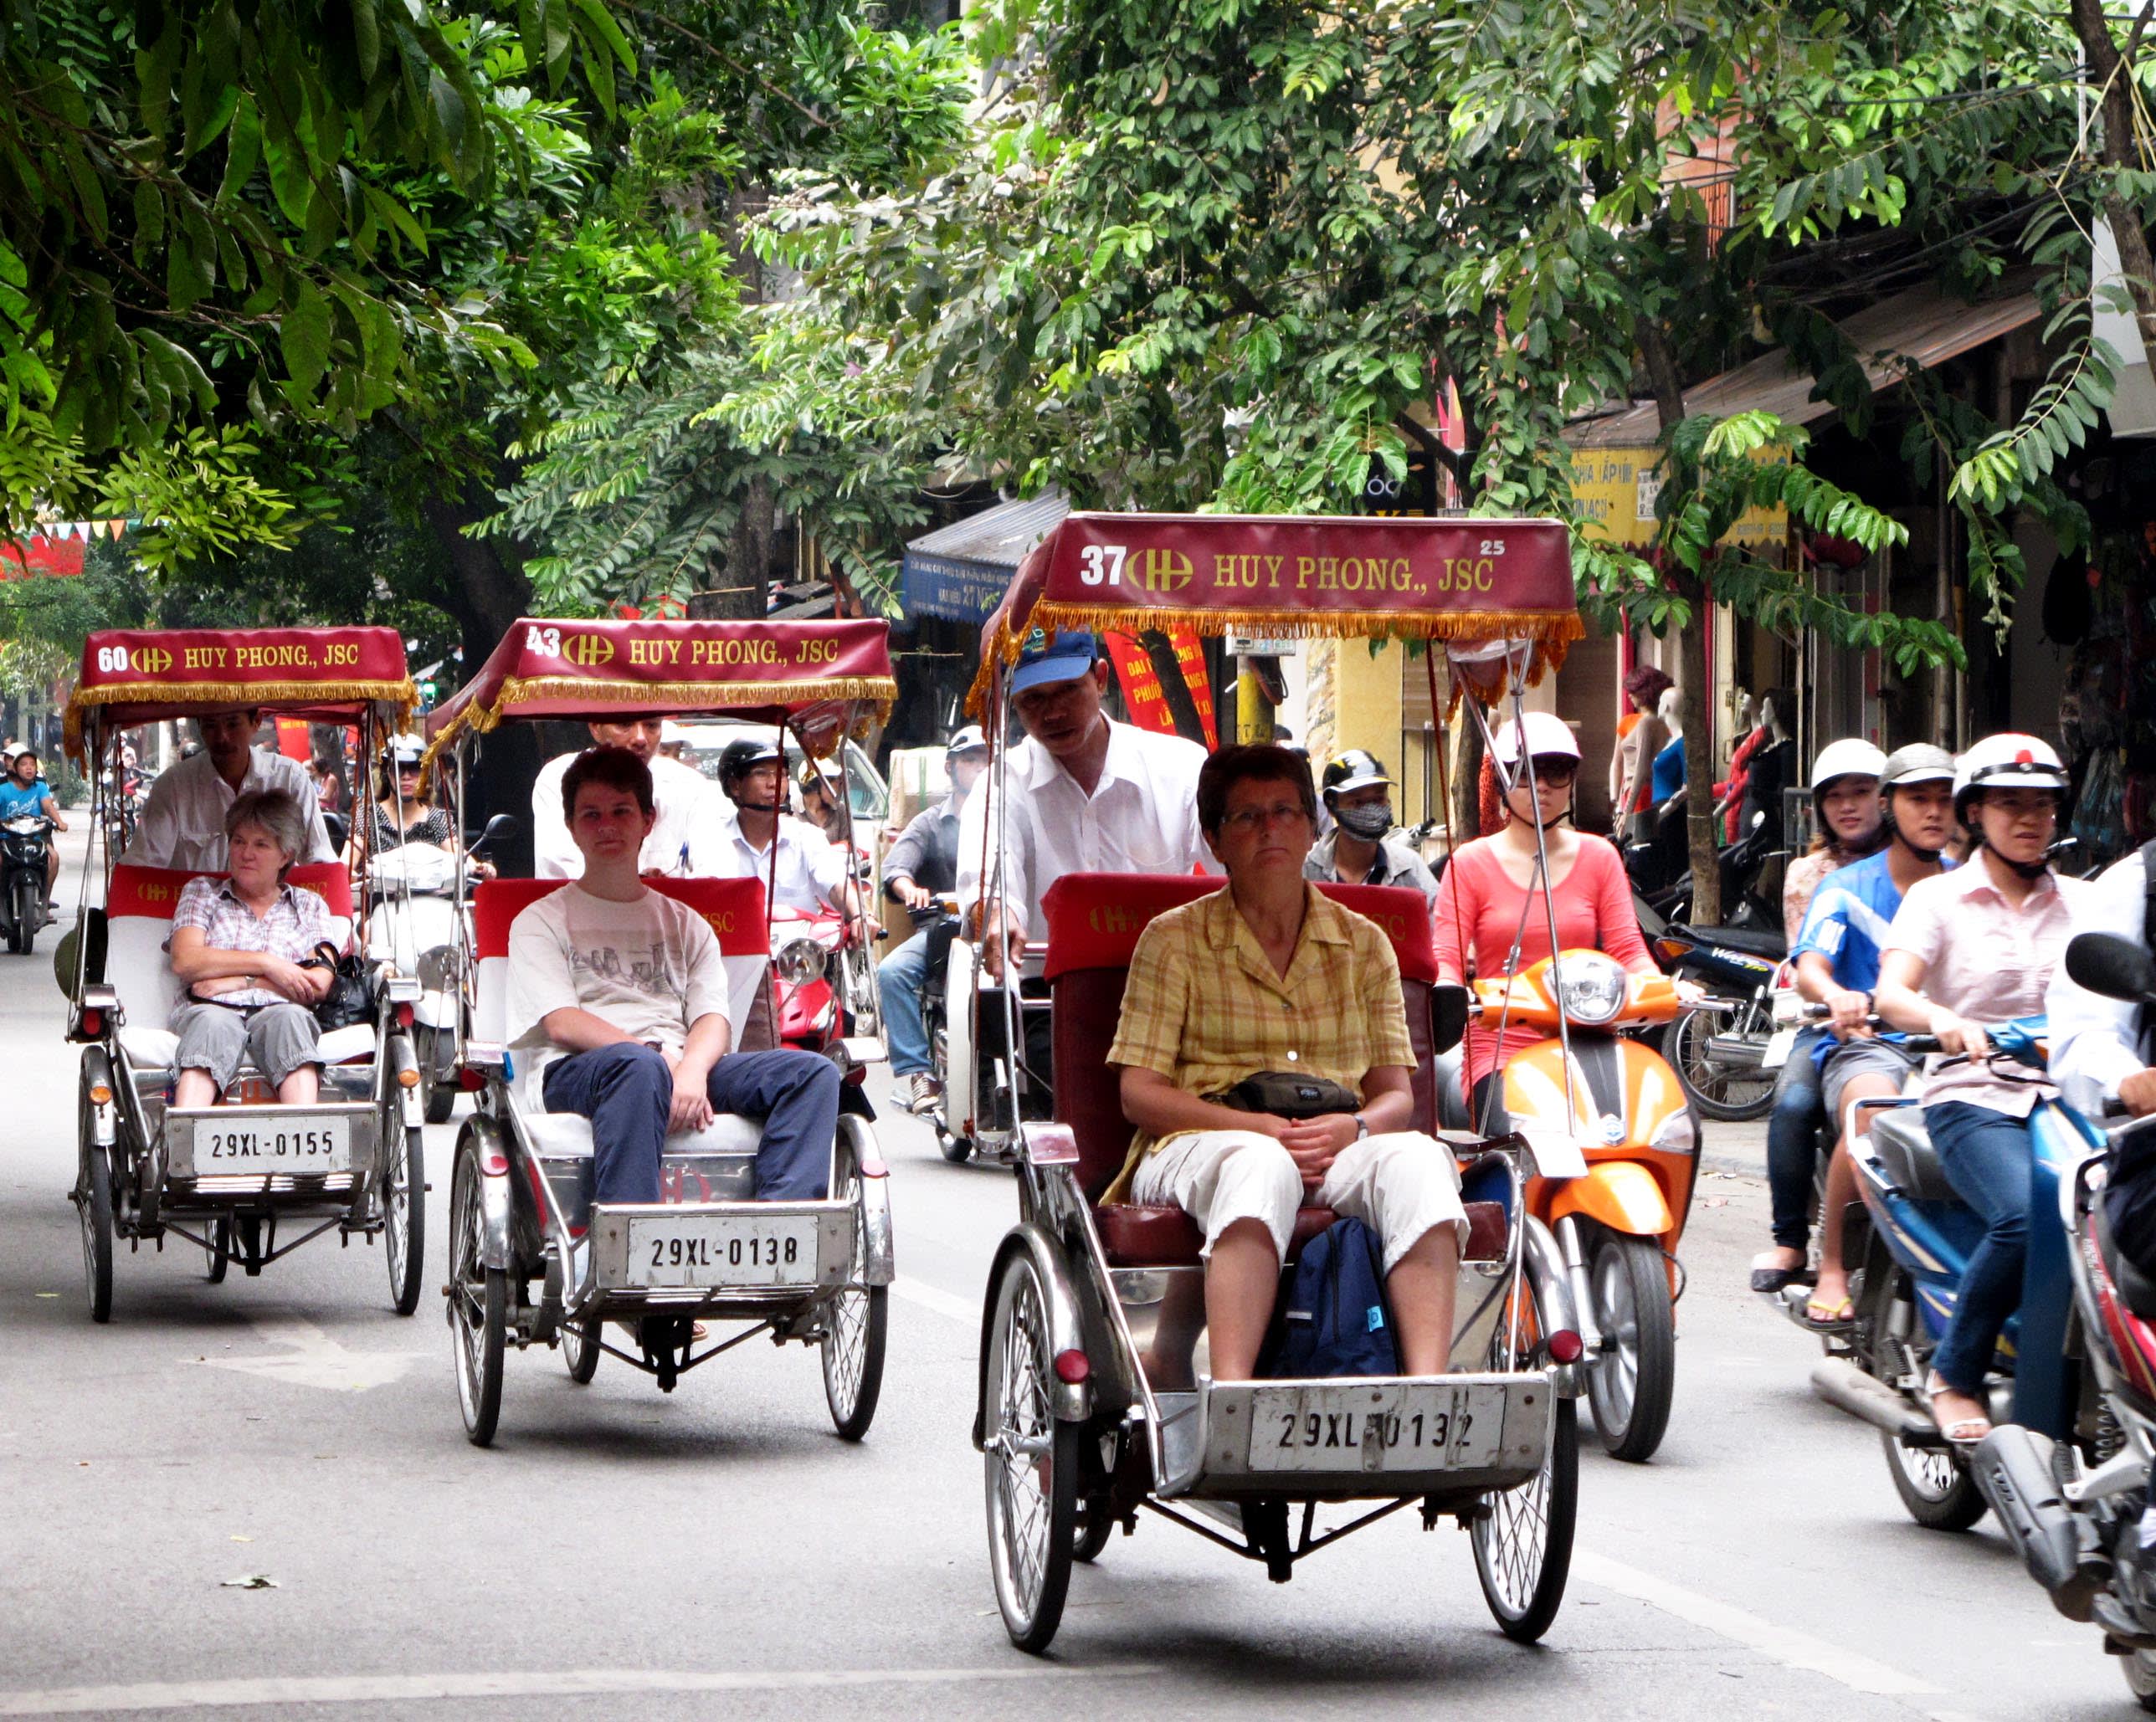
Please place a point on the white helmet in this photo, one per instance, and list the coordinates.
(2008, 761)
(1544, 732)
(404, 749)
(1849, 758)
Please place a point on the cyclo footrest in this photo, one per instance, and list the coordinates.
(755, 1248)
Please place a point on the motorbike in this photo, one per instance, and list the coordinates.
(1619, 1224)
(984, 1095)
(2068, 1478)
(1662, 876)
(821, 978)
(1913, 1241)
(1720, 1048)
(25, 843)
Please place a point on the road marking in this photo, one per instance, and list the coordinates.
(311, 1358)
(942, 1303)
(573, 1683)
(1782, 1644)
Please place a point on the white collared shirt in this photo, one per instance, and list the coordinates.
(682, 797)
(1141, 817)
(183, 825)
(810, 868)
(2097, 1041)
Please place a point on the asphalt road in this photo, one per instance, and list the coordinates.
(620, 1552)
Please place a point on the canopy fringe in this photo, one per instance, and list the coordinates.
(403, 697)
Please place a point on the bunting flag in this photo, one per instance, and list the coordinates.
(1145, 698)
(1191, 656)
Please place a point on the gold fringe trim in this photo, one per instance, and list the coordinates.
(401, 697)
(1551, 631)
(878, 693)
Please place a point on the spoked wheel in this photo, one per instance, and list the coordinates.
(479, 1306)
(2140, 1667)
(1630, 1386)
(93, 1204)
(854, 1342)
(404, 1214)
(580, 1351)
(1933, 1484)
(439, 1096)
(1031, 1462)
(1095, 1527)
(1720, 1088)
(218, 1251)
(1523, 1549)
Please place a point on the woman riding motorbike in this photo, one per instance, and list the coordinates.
(1483, 901)
(403, 815)
(1845, 787)
(1975, 945)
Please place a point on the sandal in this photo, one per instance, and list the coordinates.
(1961, 1432)
(1823, 1317)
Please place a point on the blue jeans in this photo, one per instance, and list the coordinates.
(626, 1088)
(1792, 1142)
(898, 979)
(1988, 1158)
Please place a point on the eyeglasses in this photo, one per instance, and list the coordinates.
(1245, 820)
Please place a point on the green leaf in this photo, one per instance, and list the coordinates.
(304, 333)
(365, 38)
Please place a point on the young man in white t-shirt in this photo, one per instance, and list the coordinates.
(629, 985)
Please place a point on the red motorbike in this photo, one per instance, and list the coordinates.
(821, 982)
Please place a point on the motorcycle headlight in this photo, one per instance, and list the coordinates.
(799, 961)
(1679, 1134)
(1590, 987)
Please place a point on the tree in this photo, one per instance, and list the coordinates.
(1213, 252)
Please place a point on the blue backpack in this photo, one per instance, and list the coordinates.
(1333, 1318)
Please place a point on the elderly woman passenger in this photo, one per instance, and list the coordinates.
(244, 948)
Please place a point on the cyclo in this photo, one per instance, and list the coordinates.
(533, 1259)
(227, 1177)
(1094, 1399)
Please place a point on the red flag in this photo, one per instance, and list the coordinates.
(1143, 696)
(1191, 656)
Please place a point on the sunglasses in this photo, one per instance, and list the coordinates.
(1553, 771)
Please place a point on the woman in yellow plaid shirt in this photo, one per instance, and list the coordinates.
(1268, 975)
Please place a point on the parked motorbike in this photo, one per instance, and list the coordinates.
(1719, 1048)
(1914, 1246)
(2069, 1477)
(25, 844)
(822, 987)
(1618, 1225)
(1660, 875)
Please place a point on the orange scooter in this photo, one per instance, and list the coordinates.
(1618, 1221)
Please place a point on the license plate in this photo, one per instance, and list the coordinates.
(1778, 1050)
(718, 1250)
(303, 1146)
(1423, 1426)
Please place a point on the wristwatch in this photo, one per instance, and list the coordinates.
(1362, 1125)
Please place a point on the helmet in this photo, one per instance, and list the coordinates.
(824, 771)
(1355, 770)
(972, 739)
(1919, 762)
(1848, 758)
(2007, 761)
(1544, 732)
(671, 734)
(405, 750)
(739, 757)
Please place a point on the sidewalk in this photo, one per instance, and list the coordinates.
(1739, 1148)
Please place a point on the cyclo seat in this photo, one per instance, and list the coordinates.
(139, 903)
(1094, 921)
(1903, 1146)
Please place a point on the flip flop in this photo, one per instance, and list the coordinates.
(1829, 1318)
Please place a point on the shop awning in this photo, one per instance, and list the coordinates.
(1924, 326)
(961, 573)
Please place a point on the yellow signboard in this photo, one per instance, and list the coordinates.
(1614, 490)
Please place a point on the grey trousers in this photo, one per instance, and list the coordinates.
(279, 1038)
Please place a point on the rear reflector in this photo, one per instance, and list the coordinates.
(470, 1081)
(93, 1022)
(100, 1096)
(1072, 1367)
(1564, 1346)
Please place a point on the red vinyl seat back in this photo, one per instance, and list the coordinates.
(1094, 921)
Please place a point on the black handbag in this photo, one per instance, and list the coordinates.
(1288, 1094)
(350, 998)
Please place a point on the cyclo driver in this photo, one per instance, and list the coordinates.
(623, 994)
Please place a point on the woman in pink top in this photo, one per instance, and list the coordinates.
(1484, 897)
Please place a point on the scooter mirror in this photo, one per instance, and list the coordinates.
(501, 827)
(2115, 968)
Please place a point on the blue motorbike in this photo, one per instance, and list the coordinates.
(1914, 1239)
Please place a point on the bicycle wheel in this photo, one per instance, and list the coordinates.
(1524, 1545)
(405, 1215)
(1031, 1465)
(854, 1342)
(479, 1307)
(580, 1351)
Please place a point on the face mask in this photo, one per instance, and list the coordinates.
(1368, 822)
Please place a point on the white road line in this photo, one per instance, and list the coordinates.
(573, 1683)
(1782, 1644)
(311, 1358)
(941, 1302)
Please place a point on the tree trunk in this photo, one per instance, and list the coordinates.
(1694, 643)
(2093, 28)
(742, 592)
(1466, 810)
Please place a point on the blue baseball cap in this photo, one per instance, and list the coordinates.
(1063, 659)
